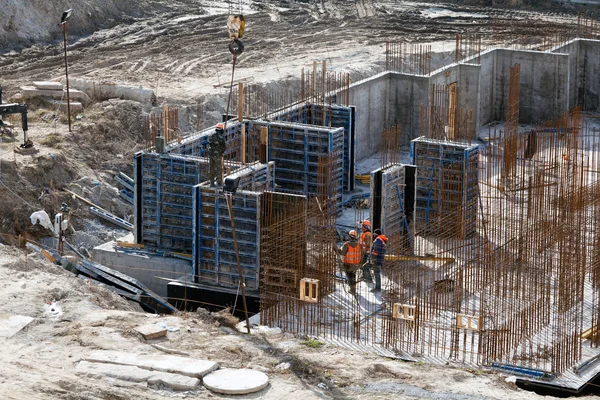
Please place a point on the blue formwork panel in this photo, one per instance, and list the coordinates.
(446, 187)
(327, 116)
(197, 144)
(296, 150)
(163, 199)
(213, 255)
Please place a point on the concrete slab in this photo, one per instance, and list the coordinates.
(74, 94)
(48, 85)
(236, 381)
(173, 364)
(151, 331)
(11, 325)
(131, 373)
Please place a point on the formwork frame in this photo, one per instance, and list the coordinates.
(446, 182)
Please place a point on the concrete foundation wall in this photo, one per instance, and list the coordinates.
(544, 84)
(467, 78)
(408, 94)
(575, 78)
(589, 62)
(371, 98)
(486, 109)
(144, 268)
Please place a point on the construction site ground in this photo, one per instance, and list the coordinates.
(179, 49)
(39, 361)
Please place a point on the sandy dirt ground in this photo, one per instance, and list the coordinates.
(39, 361)
(179, 49)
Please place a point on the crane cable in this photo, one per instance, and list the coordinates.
(236, 48)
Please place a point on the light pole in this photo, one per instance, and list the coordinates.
(63, 21)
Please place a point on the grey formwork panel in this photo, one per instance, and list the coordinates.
(391, 199)
(213, 255)
(255, 177)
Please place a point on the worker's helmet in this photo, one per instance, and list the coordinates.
(366, 224)
(220, 126)
(353, 234)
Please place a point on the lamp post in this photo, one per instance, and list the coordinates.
(63, 21)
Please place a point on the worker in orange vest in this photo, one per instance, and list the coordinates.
(352, 259)
(365, 240)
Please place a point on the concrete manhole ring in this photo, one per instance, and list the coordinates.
(235, 381)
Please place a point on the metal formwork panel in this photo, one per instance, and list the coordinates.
(296, 150)
(197, 144)
(390, 198)
(446, 186)
(329, 116)
(214, 257)
(164, 185)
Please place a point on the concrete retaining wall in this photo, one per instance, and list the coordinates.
(144, 268)
(408, 94)
(575, 78)
(371, 98)
(589, 64)
(544, 84)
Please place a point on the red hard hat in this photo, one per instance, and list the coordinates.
(366, 223)
(220, 126)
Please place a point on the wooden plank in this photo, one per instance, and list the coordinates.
(240, 102)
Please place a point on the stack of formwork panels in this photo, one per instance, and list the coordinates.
(163, 199)
(296, 150)
(446, 187)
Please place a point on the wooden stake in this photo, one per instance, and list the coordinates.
(240, 102)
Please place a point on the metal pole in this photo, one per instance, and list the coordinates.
(237, 258)
(67, 73)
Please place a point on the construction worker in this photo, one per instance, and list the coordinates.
(352, 257)
(378, 252)
(365, 240)
(216, 149)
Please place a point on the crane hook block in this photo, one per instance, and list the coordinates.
(236, 47)
(235, 26)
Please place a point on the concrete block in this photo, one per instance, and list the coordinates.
(11, 325)
(32, 92)
(164, 363)
(134, 374)
(44, 85)
(151, 331)
(105, 91)
(236, 381)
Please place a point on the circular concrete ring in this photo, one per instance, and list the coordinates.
(235, 381)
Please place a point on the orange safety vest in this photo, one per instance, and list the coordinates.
(363, 241)
(353, 255)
